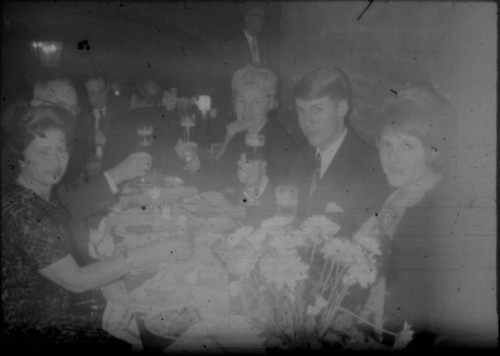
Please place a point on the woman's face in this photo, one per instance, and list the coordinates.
(404, 158)
(252, 106)
(45, 158)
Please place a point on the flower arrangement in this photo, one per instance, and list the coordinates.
(294, 282)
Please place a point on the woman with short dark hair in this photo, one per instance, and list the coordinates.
(416, 136)
(39, 271)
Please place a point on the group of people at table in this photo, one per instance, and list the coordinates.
(47, 208)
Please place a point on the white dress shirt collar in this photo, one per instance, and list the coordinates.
(328, 154)
(254, 47)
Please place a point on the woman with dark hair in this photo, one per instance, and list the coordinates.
(417, 129)
(39, 271)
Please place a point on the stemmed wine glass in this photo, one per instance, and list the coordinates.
(188, 147)
(187, 121)
(144, 144)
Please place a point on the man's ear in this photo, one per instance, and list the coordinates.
(342, 108)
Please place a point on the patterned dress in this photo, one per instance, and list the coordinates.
(36, 310)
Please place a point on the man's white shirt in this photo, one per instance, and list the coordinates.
(328, 154)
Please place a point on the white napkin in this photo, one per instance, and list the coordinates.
(117, 319)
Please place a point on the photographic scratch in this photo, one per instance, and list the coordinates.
(366, 8)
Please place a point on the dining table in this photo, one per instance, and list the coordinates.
(173, 305)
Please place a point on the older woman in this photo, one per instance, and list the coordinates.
(39, 272)
(254, 90)
(417, 129)
(254, 97)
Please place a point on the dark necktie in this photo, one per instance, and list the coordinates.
(98, 118)
(317, 173)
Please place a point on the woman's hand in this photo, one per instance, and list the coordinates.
(251, 172)
(234, 127)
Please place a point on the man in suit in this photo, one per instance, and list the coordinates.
(100, 114)
(245, 46)
(339, 174)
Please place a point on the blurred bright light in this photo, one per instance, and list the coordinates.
(48, 52)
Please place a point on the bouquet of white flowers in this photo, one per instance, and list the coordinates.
(292, 283)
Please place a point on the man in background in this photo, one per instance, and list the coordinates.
(100, 114)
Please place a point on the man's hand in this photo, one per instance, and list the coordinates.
(135, 165)
(188, 152)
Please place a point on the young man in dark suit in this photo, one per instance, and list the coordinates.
(339, 174)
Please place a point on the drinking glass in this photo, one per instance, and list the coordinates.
(187, 121)
(256, 141)
(144, 144)
(287, 200)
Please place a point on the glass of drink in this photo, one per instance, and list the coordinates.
(187, 121)
(256, 141)
(144, 144)
(287, 200)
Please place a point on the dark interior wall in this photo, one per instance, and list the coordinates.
(177, 43)
(390, 44)
(451, 44)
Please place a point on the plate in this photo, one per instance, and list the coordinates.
(172, 324)
(219, 335)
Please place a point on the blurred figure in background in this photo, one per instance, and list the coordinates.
(123, 135)
(100, 113)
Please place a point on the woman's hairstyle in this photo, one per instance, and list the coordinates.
(31, 122)
(332, 82)
(419, 110)
(259, 77)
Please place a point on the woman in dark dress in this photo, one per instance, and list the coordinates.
(39, 272)
(417, 128)
(254, 97)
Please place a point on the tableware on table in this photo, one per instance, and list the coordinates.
(172, 324)
(287, 200)
(222, 334)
